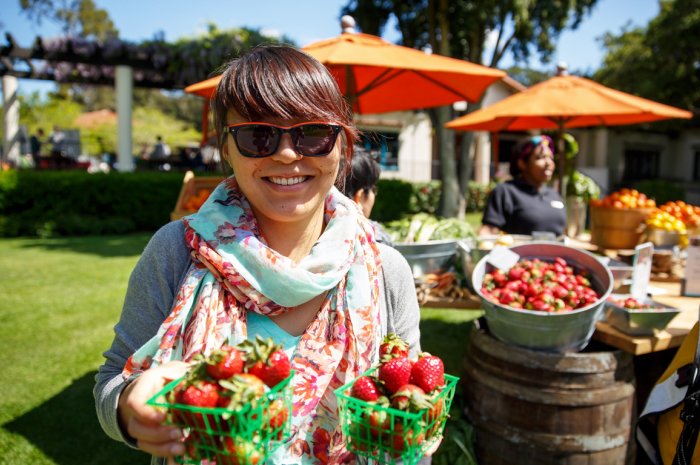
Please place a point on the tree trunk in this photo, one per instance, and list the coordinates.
(451, 201)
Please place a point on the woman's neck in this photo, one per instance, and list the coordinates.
(530, 181)
(293, 240)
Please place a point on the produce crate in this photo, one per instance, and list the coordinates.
(195, 190)
(210, 432)
(405, 437)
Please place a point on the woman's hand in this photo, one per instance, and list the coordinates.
(145, 423)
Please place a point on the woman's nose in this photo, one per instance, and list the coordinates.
(286, 153)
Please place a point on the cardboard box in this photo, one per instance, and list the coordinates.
(193, 193)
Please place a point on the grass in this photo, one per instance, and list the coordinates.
(59, 300)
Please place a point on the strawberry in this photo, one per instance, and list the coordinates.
(428, 372)
(410, 398)
(225, 362)
(434, 417)
(365, 389)
(241, 390)
(392, 346)
(197, 394)
(276, 418)
(267, 360)
(239, 451)
(404, 438)
(394, 373)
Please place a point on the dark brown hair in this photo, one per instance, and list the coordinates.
(280, 81)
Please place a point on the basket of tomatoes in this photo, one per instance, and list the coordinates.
(396, 411)
(549, 300)
(234, 406)
(617, 220)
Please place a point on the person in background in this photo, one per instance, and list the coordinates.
(57, 141)
(526, 203)
(323, 288)
(360, 185)
(160, 151)
(35, 142)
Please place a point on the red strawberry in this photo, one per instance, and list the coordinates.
(267, 360)
(225, 362)
(428, 372)
(433, 417)
(197, 394)
(242, 389)
(379, 421)
(392, 346)
(394, 373)
(239, 451)
(365, 389)
(410, 398)
(276, 418)
(405, 438)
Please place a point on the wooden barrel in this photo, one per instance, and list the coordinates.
(541, 408)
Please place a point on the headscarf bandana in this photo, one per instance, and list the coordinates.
(233, 271)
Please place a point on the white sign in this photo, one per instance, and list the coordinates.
(641, 270)
(691, 282)
(503, 258)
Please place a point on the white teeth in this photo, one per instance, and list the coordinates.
(287, 181)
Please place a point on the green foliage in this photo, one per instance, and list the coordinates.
(660, 190)
(477, 194)
(580, 185)
(662, 57)
(393, 199)
(425, 197)
(76, 17)
(68, 203)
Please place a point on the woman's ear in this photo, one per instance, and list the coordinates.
(358, 196)
(522, 164)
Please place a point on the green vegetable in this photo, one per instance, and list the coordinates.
(423, 227)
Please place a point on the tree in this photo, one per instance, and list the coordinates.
(80, 18)
(663, 58)
(460, 28)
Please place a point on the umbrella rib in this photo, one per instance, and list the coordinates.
(440, 84)
(379, 80)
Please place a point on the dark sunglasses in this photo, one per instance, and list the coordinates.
(257, 140)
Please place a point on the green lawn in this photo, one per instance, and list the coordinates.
(59, 299)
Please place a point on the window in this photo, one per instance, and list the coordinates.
(382, 146)
(641, 163)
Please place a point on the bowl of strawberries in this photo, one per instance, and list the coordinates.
(638, 316)
(548, 297)
(234, 405)
(396, 411)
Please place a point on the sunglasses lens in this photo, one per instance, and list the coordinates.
(314, 139)
(257, 140)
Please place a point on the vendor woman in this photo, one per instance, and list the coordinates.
(526, 203)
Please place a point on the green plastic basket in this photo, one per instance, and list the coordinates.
(388, 435)
(220, 436)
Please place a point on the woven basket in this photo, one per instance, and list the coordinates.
(617, 228)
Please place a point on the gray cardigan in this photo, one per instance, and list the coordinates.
(157, 277)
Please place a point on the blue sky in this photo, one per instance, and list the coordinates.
(305, 21)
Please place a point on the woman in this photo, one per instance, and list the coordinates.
(276, 250)
(525, 203)
(361, 186)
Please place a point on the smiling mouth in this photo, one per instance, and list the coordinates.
(287, 181)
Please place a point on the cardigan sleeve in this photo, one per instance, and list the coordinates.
(152, 287)
(403, 312)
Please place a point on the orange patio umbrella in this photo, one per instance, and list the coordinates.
(564, 102)
(377, 76)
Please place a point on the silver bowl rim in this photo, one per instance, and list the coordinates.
(597, 303)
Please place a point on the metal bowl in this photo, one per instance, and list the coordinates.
(428, 257)
(663, 238)
(473, 249)
(644, 322)
(552, 332)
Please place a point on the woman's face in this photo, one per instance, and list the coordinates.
(285, 187)
(539, 167)
(365, 198)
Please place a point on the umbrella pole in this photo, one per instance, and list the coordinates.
(561, 156)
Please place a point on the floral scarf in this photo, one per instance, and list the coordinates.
(233, 271)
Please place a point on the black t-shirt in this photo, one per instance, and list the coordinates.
(516, 207)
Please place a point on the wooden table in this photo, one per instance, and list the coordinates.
(669, 338)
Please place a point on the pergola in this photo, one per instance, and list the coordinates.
(76, 60)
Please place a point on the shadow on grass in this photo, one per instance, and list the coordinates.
(446, 339)
(104, 246)
(65, 429)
